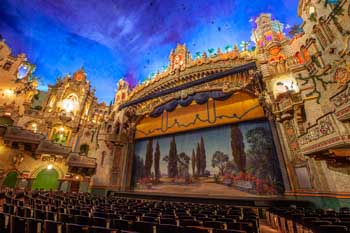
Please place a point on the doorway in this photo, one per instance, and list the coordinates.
(74, 186)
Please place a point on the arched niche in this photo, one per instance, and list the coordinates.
(46, 179)
(10, 180)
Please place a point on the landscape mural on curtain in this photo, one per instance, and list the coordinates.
(233, 160)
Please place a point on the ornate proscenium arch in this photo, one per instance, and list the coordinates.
(240, 69)
(220, 98)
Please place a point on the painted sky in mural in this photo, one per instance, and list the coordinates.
(130, 38)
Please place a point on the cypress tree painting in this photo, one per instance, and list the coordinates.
(193, 162)
(203, 157)
(156, 163)
(233, 160)
(172, 161)
(198, 160)
(149, 158)
(237, 146)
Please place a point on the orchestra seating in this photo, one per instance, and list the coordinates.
(307, 220)
(55, 212)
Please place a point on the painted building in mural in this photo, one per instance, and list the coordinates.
(262, 122)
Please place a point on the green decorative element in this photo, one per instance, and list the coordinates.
(59, 138)
(312, 17)
(211, 52)
(46, 179)
(228, 48)
(315, 90)
(244, 45)
(315, 60)
(197, 55)
(10, 180)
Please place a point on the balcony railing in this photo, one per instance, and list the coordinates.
(17, 134)
(82, 165)
(323, 136)
(341, 102)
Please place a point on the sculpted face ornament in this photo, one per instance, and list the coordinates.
(178, 61)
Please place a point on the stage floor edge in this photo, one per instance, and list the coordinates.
(272, 201)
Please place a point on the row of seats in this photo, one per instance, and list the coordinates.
(67, 213)
(302, 220)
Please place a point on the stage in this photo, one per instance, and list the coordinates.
(271, 201)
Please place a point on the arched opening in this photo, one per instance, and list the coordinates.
(84, 149)
(47, 179)
(10, 180)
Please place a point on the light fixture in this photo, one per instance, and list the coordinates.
(8, 92)
(77, 177)
(61, 129)
(49, 167)
(34, 126)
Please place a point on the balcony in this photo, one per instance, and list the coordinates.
(289, 105)
(341, 103)
(49, 147)
(81, 165)
(325, 140)
(119, 139)
(19, 135)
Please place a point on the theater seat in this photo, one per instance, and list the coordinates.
(144, 227)
(52, 227)
(95, 229)
(196, 230)
(119, 224)
(332, 229)
(167, 228)
(186, 223)
(4, 222)
(229, 231)
(76, 228)
(169, 221)
(18, 225)
(215, 224)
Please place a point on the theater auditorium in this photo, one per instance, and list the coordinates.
(250, 136)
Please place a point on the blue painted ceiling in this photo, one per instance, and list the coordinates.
(126, 38)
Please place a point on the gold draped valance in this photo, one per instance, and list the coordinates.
(241, 106)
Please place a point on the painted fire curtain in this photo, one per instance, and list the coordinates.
(230, 160)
